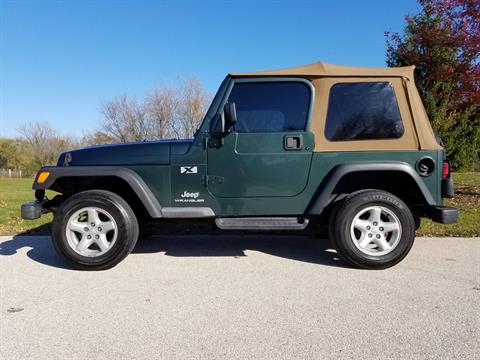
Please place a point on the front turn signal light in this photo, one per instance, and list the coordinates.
(42, 177)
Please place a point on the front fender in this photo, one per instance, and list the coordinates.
(132, 178)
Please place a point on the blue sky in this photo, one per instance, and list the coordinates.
(60, 59)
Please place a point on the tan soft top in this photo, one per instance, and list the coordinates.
(323, 76)
(319, 69)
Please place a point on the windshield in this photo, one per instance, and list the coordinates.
(212, 110)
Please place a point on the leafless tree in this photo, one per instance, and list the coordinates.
(167, 112)
(161, 106)
(45, 142)
(193, 106)
(125, 119)
(39, 137)
(97, 138)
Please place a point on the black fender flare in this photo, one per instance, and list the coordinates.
(131, 177)
(325, 189)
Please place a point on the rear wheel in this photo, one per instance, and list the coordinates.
(372, 229)
(94, 230)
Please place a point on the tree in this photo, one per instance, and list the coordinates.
(38, 136)
(124, 119)
(44, 142)
(193, 105)
(443, 42)
(16, 154)
(161, 106)
(97, 138)
(166, 112)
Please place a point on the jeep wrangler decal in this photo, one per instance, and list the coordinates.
(190, 197)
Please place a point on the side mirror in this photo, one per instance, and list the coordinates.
(223, 125)
(219, 125)
(226, 120)
(230, 112)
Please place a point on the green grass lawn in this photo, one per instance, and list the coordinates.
(467, 200)
(14, 192)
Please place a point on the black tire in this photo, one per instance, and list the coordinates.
(121, 212)
(340, 228)
(418, 222)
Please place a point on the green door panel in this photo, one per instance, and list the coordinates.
(258, 165)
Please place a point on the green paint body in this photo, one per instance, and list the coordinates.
(250, 174)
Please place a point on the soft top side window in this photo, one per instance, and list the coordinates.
(363, 111)
(275, 106)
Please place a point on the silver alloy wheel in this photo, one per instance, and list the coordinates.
(91, 231)
(376, 230)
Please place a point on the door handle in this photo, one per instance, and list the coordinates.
(292, 142)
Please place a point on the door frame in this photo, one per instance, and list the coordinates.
(267, 79)
(308, 134)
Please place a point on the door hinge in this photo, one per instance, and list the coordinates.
(214, 142)
(212, 180)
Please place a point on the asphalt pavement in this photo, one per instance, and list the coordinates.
(240, 297)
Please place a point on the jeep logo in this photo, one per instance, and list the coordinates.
(191, 195)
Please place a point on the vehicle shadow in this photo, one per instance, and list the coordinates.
(40, 247)
(295, 247)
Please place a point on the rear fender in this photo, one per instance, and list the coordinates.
(325, 191)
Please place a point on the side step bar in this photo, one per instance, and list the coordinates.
(262, 223)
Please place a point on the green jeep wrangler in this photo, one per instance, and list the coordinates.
(290, 149)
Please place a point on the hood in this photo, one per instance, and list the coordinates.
(139, 153)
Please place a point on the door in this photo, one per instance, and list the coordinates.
(269, 150)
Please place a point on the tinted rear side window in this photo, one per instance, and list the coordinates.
(271, 106)
(361, 111)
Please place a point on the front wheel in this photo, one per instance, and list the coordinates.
(372, 229)
(94, 230)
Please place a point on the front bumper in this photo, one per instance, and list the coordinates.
(443, 214)
(33, 210)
